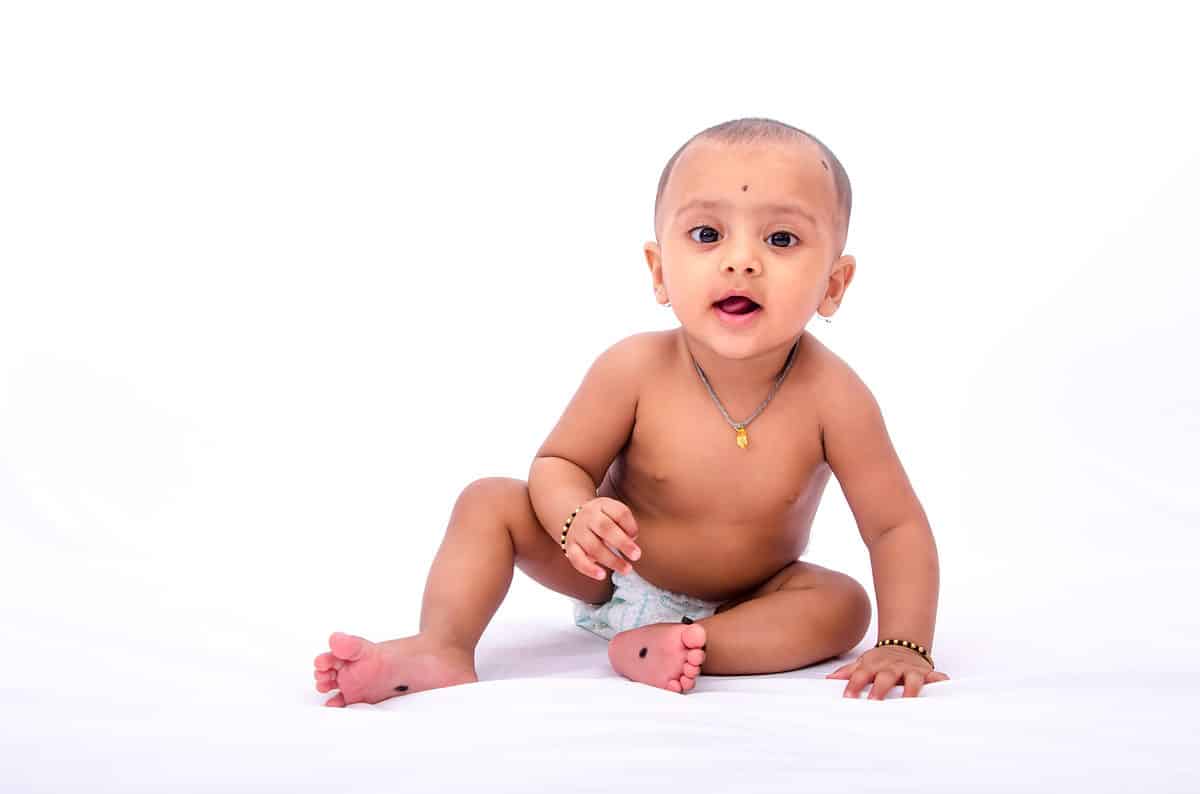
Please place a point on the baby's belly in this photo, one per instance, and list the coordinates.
(715, 562)
(713, 543)
(713, 559)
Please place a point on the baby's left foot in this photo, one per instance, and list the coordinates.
(665, 655)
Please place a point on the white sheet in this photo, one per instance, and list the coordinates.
(162, 681)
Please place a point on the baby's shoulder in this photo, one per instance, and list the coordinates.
(826, 370)
(839, 394)
(623, 367)
(643, 351)
(820, 364)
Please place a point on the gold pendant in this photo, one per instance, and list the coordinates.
(743, 440)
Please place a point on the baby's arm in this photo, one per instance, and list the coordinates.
(596, 424)
(890, 518)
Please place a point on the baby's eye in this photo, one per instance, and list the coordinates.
(782, 237)
(708, 238)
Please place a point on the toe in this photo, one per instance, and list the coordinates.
(674, 686)
(325, 686)
(690, 670)
(687, 683)
(348, 647)
(695, 656)
(694, 636)
(324, 675)
(324, 661)
(336, 700)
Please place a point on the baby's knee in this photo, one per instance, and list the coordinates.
(856, 605)
(493, 489)
(498, 496)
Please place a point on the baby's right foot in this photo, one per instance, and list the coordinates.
(665, 655)
(369, 672)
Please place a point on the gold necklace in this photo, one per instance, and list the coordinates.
(743, 440)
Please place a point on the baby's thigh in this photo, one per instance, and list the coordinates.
(538, 555)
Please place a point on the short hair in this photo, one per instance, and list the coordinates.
(749, 130)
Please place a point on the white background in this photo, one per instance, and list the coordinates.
(278, 281)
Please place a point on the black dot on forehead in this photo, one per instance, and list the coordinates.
(744, 188)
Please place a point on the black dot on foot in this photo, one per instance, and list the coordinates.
(642, 653)
(744, 188)
(402, 688)
(686, 619)
(825, 164)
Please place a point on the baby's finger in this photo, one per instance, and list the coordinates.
(602, 554)
(884, 682)
(913, 680)
(933, 676)
(606, 528)
(622, 515)
(857, 681)
(578, 558)
(843, 672)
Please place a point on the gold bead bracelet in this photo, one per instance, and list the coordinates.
(567, 526)
(912, 646)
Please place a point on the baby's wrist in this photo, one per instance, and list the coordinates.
(566, 526)
(920, 650)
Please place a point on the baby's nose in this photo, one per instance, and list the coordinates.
(749, 266)
(742, 257)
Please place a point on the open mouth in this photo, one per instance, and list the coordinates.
(737, 304)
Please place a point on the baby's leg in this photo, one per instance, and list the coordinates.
(492, 527)
(802, 615)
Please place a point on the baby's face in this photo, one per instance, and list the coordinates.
(757, 217)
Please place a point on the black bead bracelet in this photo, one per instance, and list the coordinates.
(912, 646)
(567, 526)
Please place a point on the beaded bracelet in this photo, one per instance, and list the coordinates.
(912, 646)
(567, 526)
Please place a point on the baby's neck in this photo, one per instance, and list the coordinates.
(735, 378)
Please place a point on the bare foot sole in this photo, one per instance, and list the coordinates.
(370, 672)
(665, 655)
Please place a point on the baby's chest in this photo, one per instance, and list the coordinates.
(683, 451)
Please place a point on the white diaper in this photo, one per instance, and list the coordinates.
(636, 603)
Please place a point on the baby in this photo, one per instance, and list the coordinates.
(690, 464)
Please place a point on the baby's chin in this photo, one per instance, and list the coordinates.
(738, 345)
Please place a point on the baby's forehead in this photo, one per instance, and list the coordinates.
(769, 169)
(795, 162)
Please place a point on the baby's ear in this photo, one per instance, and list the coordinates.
(653, 256)
(843, 273)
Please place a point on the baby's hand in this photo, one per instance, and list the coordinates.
(602, 520)
(888, 666)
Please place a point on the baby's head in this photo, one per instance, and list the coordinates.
(758, 206)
